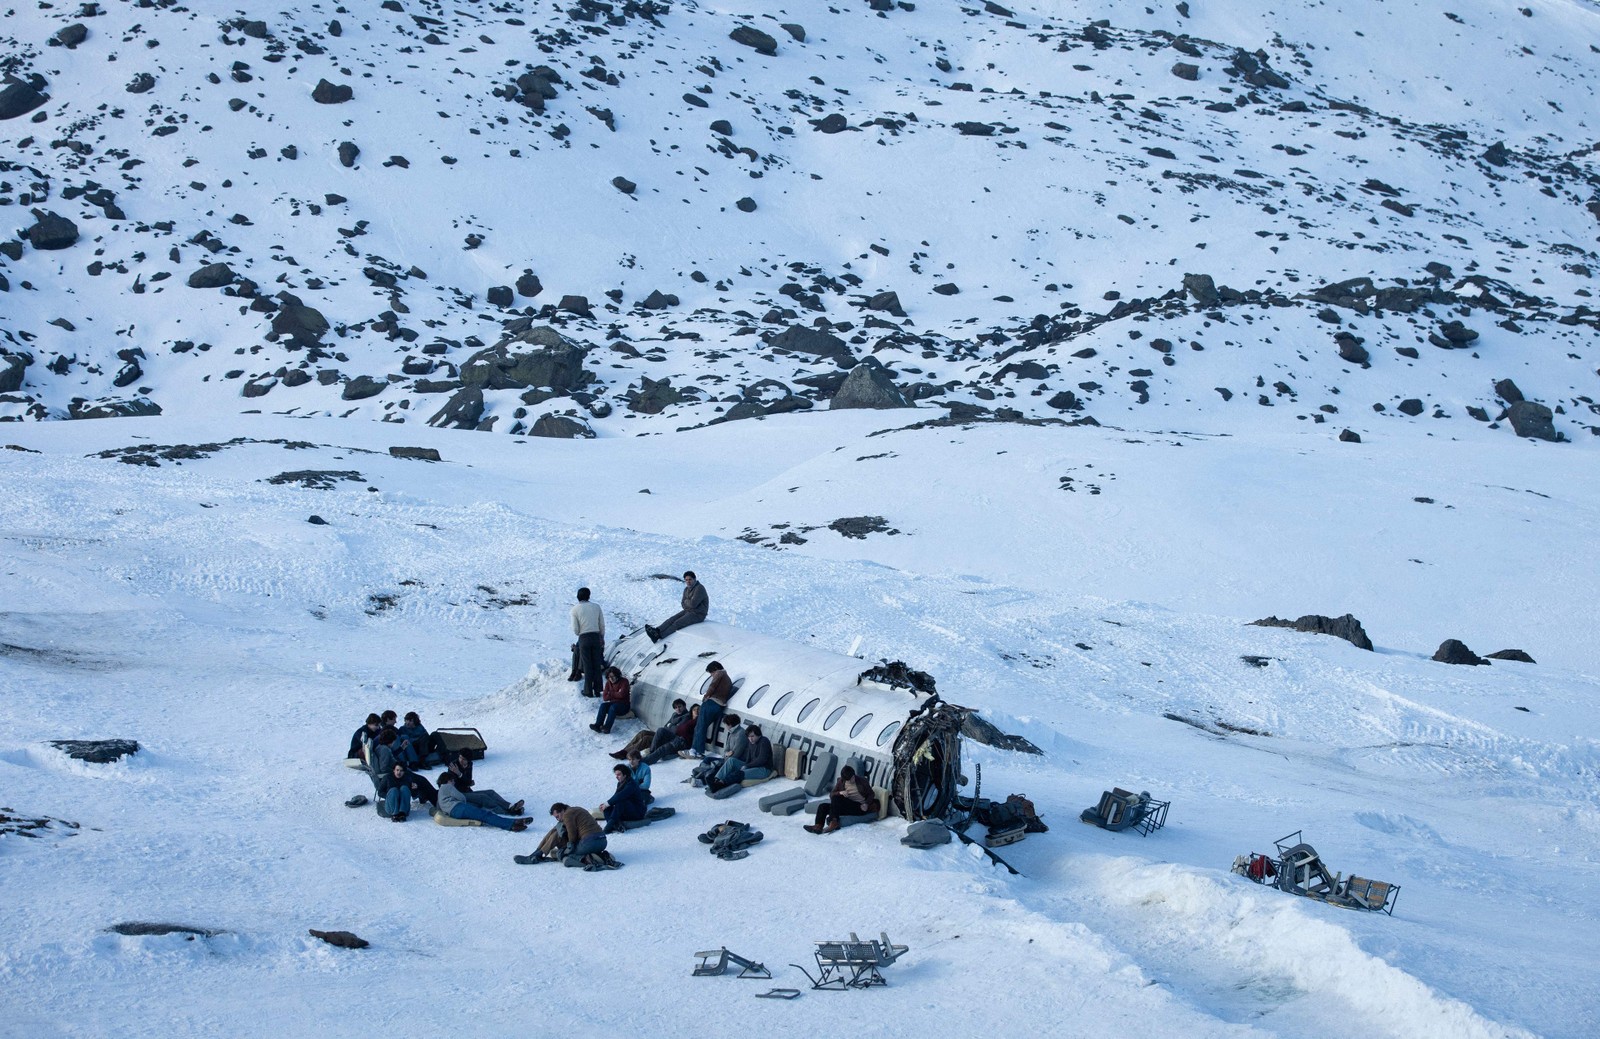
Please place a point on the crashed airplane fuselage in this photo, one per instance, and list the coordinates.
(904, 740)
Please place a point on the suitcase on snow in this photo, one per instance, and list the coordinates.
(463, 740)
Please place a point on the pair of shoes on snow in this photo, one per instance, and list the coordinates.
(520, 825)
(575, 676)
(596, 727)
(398, 817)
(690, 755)
(529, 860)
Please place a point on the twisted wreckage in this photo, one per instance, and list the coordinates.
(888, 721)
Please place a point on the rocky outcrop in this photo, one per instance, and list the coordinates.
(868, 386)
(1345, 627)
(1454, 651)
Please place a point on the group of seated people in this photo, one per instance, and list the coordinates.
(394, 756)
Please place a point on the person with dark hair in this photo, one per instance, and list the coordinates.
(613, 701)
(641, 773)
(363, 736)
(453, 802)
(626, 803)
(389, 718)
(589, 624)
(682, 733)
(393, 799)
(419, 786)
(694, 603)
(574, 837)
(646, 741)
(719, 690)
(461, 767)
(851, 795)
(415, 746)
(752, 759)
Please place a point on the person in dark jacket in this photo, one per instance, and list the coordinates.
(614, 701)
(393, 799)
(751, 761)
(421, 789)
(694, 603)
(414, 746)
(648, 740)
(626, 804)
(574, 837)
(363, 736)
(851, 795)
(682, 733)
(718, 692)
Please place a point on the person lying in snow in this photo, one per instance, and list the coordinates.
(460, 766)
(453, 802)
(626, 804)
(850, 796)
(695, 605)
(614, 701)
(574, 837)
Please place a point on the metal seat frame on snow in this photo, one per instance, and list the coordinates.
(1299, 870)
(1121, 809)
(715, 961)
(852, 963)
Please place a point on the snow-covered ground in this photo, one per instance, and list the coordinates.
(191, 605)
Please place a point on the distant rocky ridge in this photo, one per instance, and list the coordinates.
(331, 324)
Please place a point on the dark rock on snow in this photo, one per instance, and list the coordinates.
(1529, 419)
(561, 427)
(97, 752)
(18, 98)
(212, 276)
(755, 39)
(1454, 651)
(1349, 436)
(1345, 627)
(362, 387)
(134, 407)
(51, 231)
(868, 386)
(426, 454)
(1507, 391)
(327, 93)
(1511, 654)
(343, 939)
(464, 410)
(141, 929)
(803, 340)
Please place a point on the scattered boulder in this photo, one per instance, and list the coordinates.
(578, 305)
(97, 752)
(425, 454)
(464, 410)
(1351, 350)
(1452, 335)
(868, 385)
(1186, 70)
(1530, 419)
(141, 929)
(745, 205)
(624, 185)
(796, 31)
(1511, 654)
(658, 300)
(18, 98)
(654, 396)
(342, 939)
(886, 302)
(561, 427)
(143, 83)
(1410, 406)
(1454, 651)
(12, 369)
(348, 153)
(301, 325)
(212, 276)
(528, 285)
(362, 387)
(326, 93)
(1349, 436)
(558, 365)
(51, 231)
(859, 527)
(1345, 627)
(135, 407)
(1202, 288)
(1507, 391)
(755, 39)
(802, 339)
(500, 296)
(69, 36)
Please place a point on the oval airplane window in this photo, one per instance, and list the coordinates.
(888, 732)
(758, 694)
(834, 716)
(805, 712)
(861, 723)
(783, 701)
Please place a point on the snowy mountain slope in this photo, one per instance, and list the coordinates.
(1001, 174)
(189, 604)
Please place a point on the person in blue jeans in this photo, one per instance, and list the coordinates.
(453, 803)
(752, 761)
(719, 690)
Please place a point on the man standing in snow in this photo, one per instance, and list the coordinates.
(695, 605)
(589, 624)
